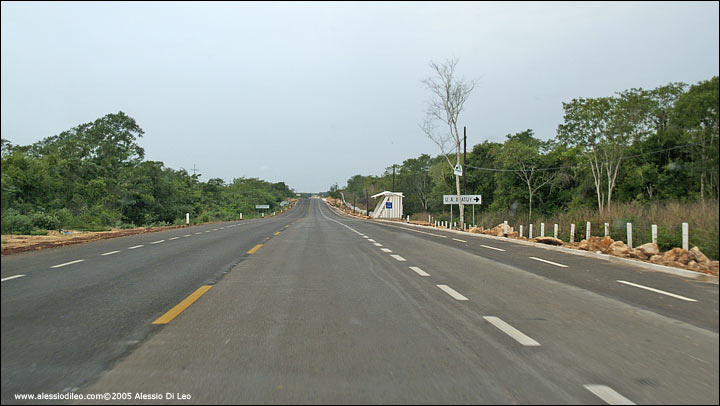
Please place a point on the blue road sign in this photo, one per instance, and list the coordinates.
(388, 205)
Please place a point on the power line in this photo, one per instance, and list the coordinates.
(604, 161)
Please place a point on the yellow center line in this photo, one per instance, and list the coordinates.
(278, 232)
(175, 311)
(255, 248)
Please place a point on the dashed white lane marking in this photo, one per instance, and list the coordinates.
(377, 244)
(385, 250)
(512, 331)
(215, 229)
(365, 236)
(371, 240)
(67, 263)
(398, 257)
(659, 291)
(137, 246)
(186, 235)
(208, 231)
(452, 292)
(415, 231)
(199, 232)
(609, 395)
(174, 238)
(457, 239)
(11, 277)
(549, 262)
(419, 271)
(157, 242)
(492, 248)
(109, 253)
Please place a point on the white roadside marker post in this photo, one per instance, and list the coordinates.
(505, 228)
(530, 232)
(654, 233)
(629, 235)
(542, 229)
(587, 232)
(686, 236)
(555, 231)
(572, 232)
(521, 230)
(607, 229)
(187, 219)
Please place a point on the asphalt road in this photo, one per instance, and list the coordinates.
(332, 309)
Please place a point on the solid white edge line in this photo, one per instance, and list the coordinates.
(419, 271)
(492, 248)
(516, 334)
(385, 250)
(457, 239)
(109, 253)
(398, 257)
(608, 394)
(11, 277)
(452, 292)
(67, 263)
(549, 262)
(658, 291)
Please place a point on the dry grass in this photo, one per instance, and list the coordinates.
(702, 219)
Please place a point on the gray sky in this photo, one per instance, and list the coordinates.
(313, 93)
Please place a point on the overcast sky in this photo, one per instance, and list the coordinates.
(313, 93)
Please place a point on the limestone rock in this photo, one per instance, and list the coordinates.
(649, 249)
(595, 244)
(699, 257)
(639, 254)
(677, 255)
(548, 240)
(619, 249)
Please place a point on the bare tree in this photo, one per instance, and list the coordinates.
(449, 95)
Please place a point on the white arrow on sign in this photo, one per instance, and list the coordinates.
(466, 199)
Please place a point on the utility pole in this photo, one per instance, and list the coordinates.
(465, 169)
(393, 189)
(194, 169)
(367, 204)
(464, 160)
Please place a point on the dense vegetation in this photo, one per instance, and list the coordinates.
(636, 149)
(94, 177)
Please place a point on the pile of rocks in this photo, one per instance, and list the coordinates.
(497, 231)
(693, 259)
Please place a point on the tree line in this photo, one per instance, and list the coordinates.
(634, 146)
(95, 176)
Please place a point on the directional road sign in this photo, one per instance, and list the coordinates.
(262, 206)
(466, 199)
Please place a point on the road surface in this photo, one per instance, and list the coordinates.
(315, 307)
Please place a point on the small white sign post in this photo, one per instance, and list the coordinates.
(458, 170)
(187, 218)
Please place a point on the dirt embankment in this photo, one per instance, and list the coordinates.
(19, 243)
(12, 244)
